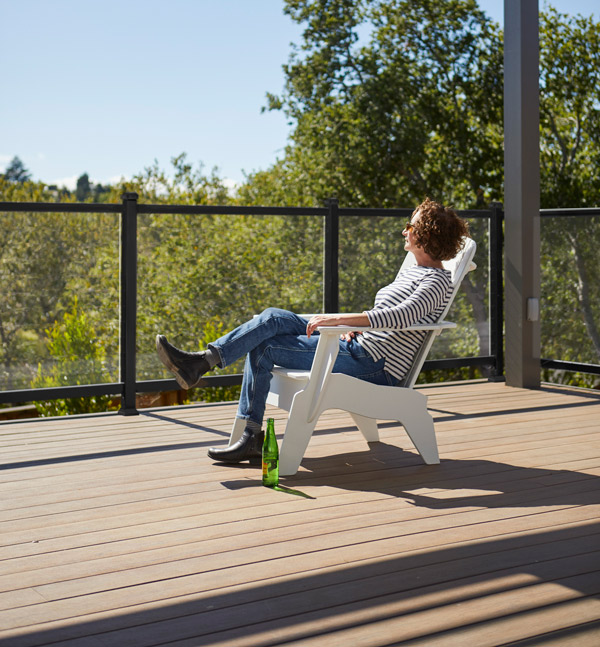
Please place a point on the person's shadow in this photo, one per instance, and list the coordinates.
(453, 483)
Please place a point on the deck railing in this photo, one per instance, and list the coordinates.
(128, 386)
(580, 215)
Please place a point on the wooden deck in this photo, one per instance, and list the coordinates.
(119, 531)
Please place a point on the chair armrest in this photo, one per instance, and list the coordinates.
(441, 325)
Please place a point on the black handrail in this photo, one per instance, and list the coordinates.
(587, 212)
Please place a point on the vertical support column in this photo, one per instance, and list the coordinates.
(522, 192)
(331, 282)
(128, 303)
(496, 304)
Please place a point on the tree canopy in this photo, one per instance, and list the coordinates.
(16, 171)
(393, 101)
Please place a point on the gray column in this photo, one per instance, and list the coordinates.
(522, 192)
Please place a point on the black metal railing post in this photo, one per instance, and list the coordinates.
(331, 281)
(128, 278)
(496, 303)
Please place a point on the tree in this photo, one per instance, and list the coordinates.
(16, 171)
(84, 188)
(570, 177)
(569, 110)
(416, 110)
(100, 192)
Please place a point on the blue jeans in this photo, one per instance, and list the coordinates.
(278, 337)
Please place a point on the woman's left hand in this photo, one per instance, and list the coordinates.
(320, 320)
(350, 319)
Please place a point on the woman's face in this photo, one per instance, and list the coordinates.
(409, 234)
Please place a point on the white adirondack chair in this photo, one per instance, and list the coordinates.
(306, 394)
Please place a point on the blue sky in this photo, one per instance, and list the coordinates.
(108, 86)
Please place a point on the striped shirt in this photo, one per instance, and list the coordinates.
(417, 296)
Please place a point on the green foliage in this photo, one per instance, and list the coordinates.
(571, 295)
(32, 254)
(570, 177)
(79, 358)
(569, 110)
(47, 260)
(415, 108)
(193, 269)
(184, 185)
(24, 191)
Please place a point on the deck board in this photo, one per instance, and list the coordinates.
(120, 531)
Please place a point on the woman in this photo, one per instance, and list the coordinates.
(279, 337)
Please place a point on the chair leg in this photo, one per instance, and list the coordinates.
(420, 429)
(367, 426)
(298, 432)
(293, 447)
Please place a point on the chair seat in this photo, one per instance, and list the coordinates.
(292, 373)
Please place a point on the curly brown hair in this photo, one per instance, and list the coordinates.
(439, 230)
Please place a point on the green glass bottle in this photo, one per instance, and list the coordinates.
(270, 456)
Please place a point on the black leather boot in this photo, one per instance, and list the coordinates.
(188, 368)
(248, 447)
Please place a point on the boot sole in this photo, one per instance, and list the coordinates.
(254, 460)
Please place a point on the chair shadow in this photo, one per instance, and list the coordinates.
(393, 471)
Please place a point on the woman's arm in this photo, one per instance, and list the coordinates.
(350, 319)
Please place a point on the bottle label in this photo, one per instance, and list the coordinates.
(270, 471)
(269, 465)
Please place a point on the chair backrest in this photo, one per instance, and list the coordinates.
(459, 267)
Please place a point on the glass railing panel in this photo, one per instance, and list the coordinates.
(59, 311)
(570, 294)
(199, 276)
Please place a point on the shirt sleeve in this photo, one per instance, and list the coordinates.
(427, 297)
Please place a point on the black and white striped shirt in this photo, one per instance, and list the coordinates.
(417, 295)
